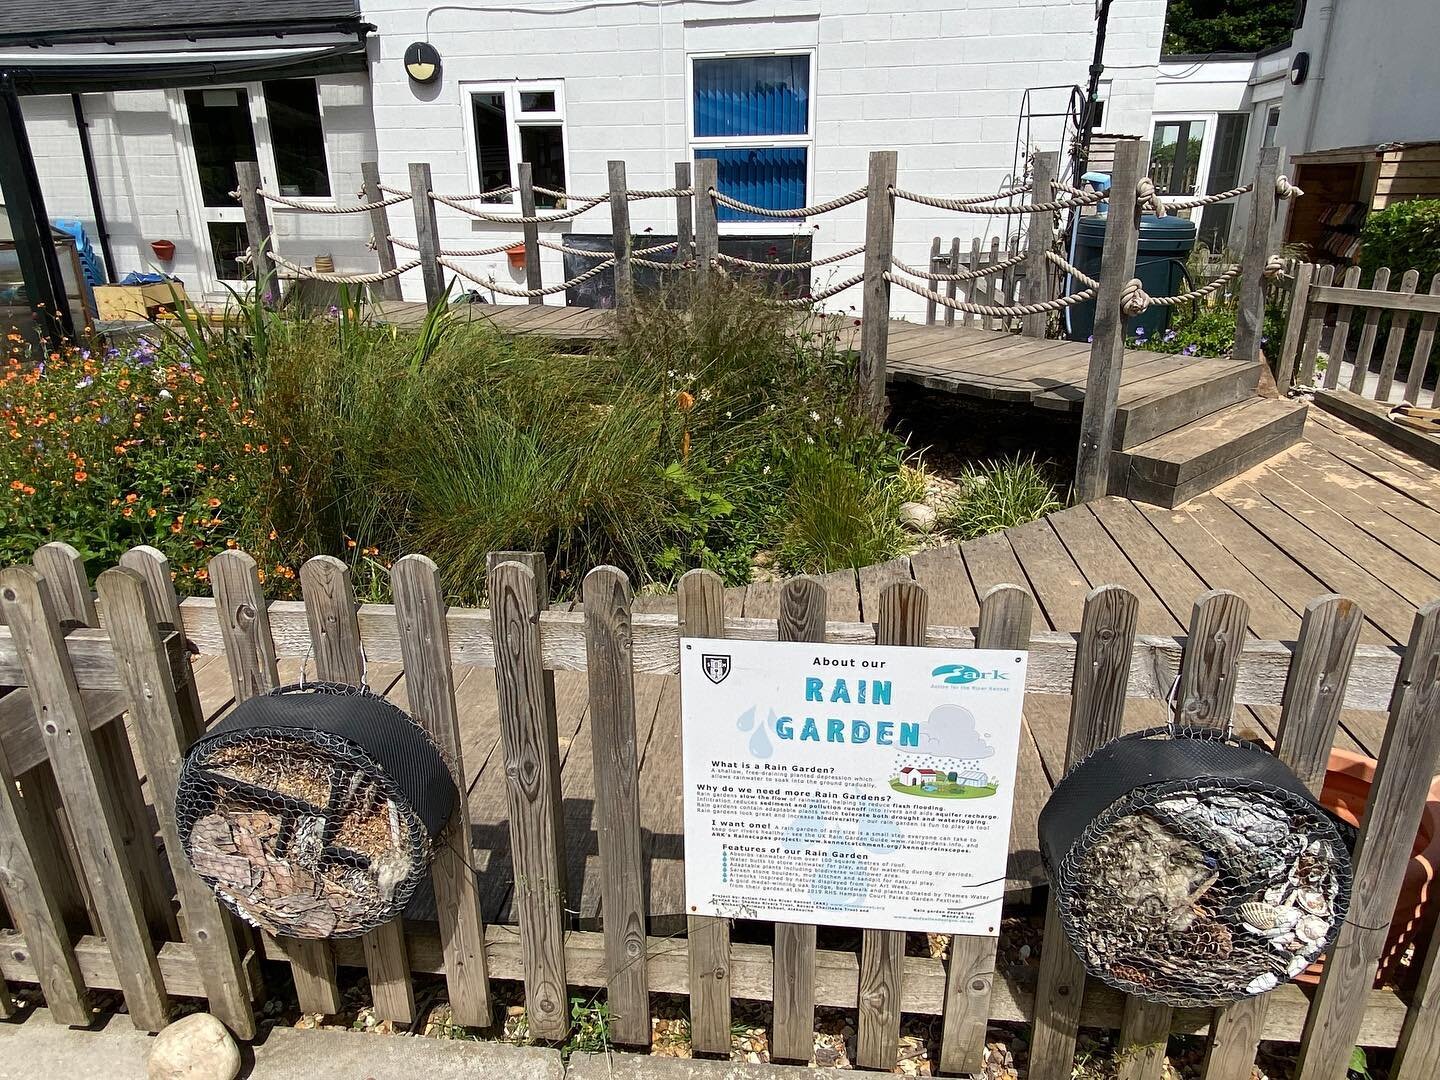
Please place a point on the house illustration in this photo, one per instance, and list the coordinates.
(915, 777)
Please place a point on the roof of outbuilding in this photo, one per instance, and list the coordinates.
(71, 20)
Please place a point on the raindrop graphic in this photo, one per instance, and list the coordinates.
(747, 719)
(760, 743)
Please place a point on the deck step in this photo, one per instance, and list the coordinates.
(1174, 400)
(1192, 459)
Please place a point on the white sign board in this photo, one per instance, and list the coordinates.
(849, 785)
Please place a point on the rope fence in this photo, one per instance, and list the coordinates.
(490, 284)
(311, 207)
(974, 205)
(458, 202)
(750, 264)
(795, 212)
(963, 275)
(341, 279)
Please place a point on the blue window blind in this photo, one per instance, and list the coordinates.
(768, 176)
(752, 95)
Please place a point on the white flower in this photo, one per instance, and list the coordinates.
(814, 417)
(166, 394)
(706, 394)
(728, 414)
(670, 374)
(765, 471)
(810, 439)
(837, 421)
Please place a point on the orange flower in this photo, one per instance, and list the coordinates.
(81, 476)
(16, 485)
(130, 498)
(349, 543)
(127, 511)
(685, 400)
(202, 574)
(214, 503)
(151, 512)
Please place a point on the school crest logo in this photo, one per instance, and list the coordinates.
(715, 666)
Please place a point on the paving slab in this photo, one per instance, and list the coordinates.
(641, 1067)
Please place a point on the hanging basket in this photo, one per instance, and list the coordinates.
(311, 811)
(1192, 869)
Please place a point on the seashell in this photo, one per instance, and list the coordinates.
(1312, 929)
(1312, 901)
(1260, 916)
(1262, 983)
(1297, 965)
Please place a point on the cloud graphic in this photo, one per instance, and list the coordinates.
(950, 731)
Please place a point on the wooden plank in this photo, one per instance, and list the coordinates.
(702, 614)
(973, 288)
(1059, 585)
(903, 617)
(684, 215)
(933, 282)
(427, 231)
(532, 788)
(30, 614)
(155, 711)
(802, 618)
(1420, 358)
(244, 630)
(154, 568)
(1375, 298)
(707, 228)
(874, 579)
(1097, 710)
(1395, 339)
(530, 230)
(1144, 1032)
(1294, 326)
(1102, 384)
(1006, 612)
(620, 235)
(1039, 239)
(340, 658)
(1250, 290)
(1371, 326)
(875, 294)
(1340, 338)
(947, 584)
(952, 286)
(1102, 562)
(1408, 761)
(1314, 325)
(606, 593)
(430, 690)
(1323, 655)
(1173, 582)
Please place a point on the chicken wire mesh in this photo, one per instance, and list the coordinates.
(311, 811)
(1192, 869)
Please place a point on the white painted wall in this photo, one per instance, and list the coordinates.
(141, 163)
(1208, 86)
(941, 83)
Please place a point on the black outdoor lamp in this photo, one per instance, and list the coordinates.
(422, 62)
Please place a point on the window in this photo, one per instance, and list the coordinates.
(518, 122)
(293, 109)
(752, 116)
(1175, 154)
(1225, 159)
(1272, 124)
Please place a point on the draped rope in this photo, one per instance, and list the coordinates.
(505, 290)
(732, 260)
(458, 203)
(823, 294)
(963, 275)
(970, 206)
(1074, 271)
(798, 212)
(342, 279)
(312, 208)
(1000, 310)
(461, 253)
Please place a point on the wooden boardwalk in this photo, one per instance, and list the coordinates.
(1339, 512)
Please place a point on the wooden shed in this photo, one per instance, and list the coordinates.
(1342, 186)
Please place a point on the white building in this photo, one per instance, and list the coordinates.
(790, 97)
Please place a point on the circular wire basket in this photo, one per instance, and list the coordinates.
(311, 811)
(1191, 868)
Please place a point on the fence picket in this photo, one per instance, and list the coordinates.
(527, 731)
(1294, 326)
(1329, 632)
(1006, 612)
(329, 594)
(1371, 327)
(1340, 339)
(701, 605)
(1314, 327)
(155, 712)
(974, 290)
(802, 618)
(1097, 710)
(1395, 339)
(1424, 342)
(952, 286)
(610, 662)
(430, 690)
(31, 615)
(154, 568)
(932, 282)
(1408, 761)
(250, 654)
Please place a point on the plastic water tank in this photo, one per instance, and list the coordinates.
(1165, 244)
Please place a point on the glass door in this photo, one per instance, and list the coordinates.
(222, 132)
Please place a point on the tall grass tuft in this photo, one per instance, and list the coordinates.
(997, 495)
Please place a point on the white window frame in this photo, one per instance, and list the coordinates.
(778, 226)
(512, 89)
(1207, 147)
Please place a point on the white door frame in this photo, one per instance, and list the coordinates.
(1207, 147)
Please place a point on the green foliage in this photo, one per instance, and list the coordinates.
(998, 495)
(1207, 26)
(1359, 1066)
(1403, 236)
(835, 516)
(1206, 331)
(589, 1028)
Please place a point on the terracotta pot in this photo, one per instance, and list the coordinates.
(1347, 786)
(516, 255)
(164, 249)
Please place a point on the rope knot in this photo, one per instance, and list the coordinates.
(1134, 300)
(1284, 189)
(1149, 197)
(1275, 266)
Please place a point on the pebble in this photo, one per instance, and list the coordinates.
(199, 1047)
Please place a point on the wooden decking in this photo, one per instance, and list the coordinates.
(1340, 512)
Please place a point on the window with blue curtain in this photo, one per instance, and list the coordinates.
(745, 106)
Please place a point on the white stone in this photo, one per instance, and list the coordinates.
(199, 1047)
(917, 516)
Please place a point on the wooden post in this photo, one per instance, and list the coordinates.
(802, 618)
(974, 285)
(329, 594)
(427, 232)
(684, 215)
(430, 690)
(1006, 613)
(701, 600)
(527, 733)
(875, 302)
(1097, 710)
(156, 715)
(1107, 351)
(530, 229)
(1250, 307)
(932, 281)
(1314, 326)
(904, 619)
(707, 225)
(389, 289)
(257, 227)
(1284, 362)
(952, 286)
(1039, 240)
(1408, 760)
(609, 659)
(620, 235)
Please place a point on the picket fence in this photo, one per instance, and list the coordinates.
(90, 902)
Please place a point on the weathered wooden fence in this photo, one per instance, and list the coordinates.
(90, 904)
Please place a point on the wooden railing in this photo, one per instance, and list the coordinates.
(93, 906)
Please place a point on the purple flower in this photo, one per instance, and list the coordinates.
(83, 383)
(332, 311)
(1091, 339)
(1139, 332)
(1190, 350)
(1170, 335)
(84, 354)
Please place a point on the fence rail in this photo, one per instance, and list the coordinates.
(97, 908)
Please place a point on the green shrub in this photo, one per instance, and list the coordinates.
(835, 517)
(1403, 236)
(1207, 331)
(997, 495)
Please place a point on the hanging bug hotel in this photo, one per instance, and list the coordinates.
(311, 811)
(1192, 868)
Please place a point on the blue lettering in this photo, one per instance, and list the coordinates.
(810, 732)
(880, 691)
(784, 727)
(859, 731)
(884, 730)
(834, 730)
(860, 697)
(841, 692)
(910, 734)
(814, 690)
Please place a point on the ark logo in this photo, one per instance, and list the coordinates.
(964, 674)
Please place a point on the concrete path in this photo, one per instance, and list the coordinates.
(38, 1049)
